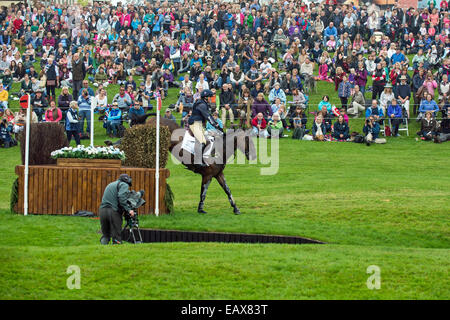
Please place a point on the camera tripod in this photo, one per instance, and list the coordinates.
(131, 226)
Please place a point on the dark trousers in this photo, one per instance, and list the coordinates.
(111, 224)
(74, 134)
(344, 101)
(377, 89)
(395, 122)
(77, 84)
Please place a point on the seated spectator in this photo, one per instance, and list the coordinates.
(39, 103)
(101, 77)
(428, 105)
(375, 111)
(6, 129)
(340, 129)
(169, 116)
(3, 98)
(318, 129)
(64, 100)
(327, 119)
(298, 121)
(277, 92)
(275, 127)
(394, 112)
(358, 103)
(123, 99)
(260, 105)
(53, 113)
(210, 128)
(259, 125)
(136, 111)
(428, 127)
(325, 102)
(113, 120)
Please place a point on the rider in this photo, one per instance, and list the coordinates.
(201, 114)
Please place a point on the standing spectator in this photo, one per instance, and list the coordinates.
(84, 105)
(379, 81)
(344, 91)
(78, 74)
(72, 124)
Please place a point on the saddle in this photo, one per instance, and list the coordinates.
(188, 143)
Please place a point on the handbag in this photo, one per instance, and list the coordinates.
(43, 81)
(51, 83)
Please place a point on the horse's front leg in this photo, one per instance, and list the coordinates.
(221, 179)
(206, 180)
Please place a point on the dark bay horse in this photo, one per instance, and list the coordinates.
(232, 141)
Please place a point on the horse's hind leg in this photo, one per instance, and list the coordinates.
(206, 180)
(221, 179)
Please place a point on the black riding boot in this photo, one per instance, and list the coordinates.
(199, 166)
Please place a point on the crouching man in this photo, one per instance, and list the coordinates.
(114, 204)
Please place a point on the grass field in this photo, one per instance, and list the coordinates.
(384, 205)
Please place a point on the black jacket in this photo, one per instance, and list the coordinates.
(200, 112)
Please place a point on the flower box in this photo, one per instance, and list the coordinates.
(90, 163)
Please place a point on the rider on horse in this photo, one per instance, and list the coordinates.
(201, 114)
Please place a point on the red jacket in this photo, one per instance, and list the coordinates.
(263, 122)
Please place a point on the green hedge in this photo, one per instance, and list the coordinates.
(139, 145)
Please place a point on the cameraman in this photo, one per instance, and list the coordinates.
(114, 205)
(372, 130)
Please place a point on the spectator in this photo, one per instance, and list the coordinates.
(113, 120)
(428, 105)
(72, 124)
(227, 103)
(428, 127)
(53, 113)
(340, 129)
(395, 115)
(444, 134)
(260, 105)
(275, 127)
(259, 125)
(84, 105)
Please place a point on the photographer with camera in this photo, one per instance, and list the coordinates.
(114, 205)
(372, 130)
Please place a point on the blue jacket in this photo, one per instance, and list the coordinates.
(426, 105)
(84, 104)
(115, 115)
(375, 130)
(330, 32)
(396, 110)
(369, 112)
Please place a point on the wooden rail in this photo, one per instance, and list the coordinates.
(66, 190)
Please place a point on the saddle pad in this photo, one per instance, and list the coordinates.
(189, 144)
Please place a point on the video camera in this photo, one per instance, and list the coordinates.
(135, 200)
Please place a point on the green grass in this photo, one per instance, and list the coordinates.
(384, 205)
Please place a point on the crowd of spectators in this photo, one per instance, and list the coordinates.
(259, 57)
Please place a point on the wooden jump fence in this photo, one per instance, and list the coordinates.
(68, 189)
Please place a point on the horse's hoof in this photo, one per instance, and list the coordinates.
(108, 142)
(237, 211)
(201, 211)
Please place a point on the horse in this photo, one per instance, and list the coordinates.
(236, 140)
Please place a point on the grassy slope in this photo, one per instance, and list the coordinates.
(384, 205)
